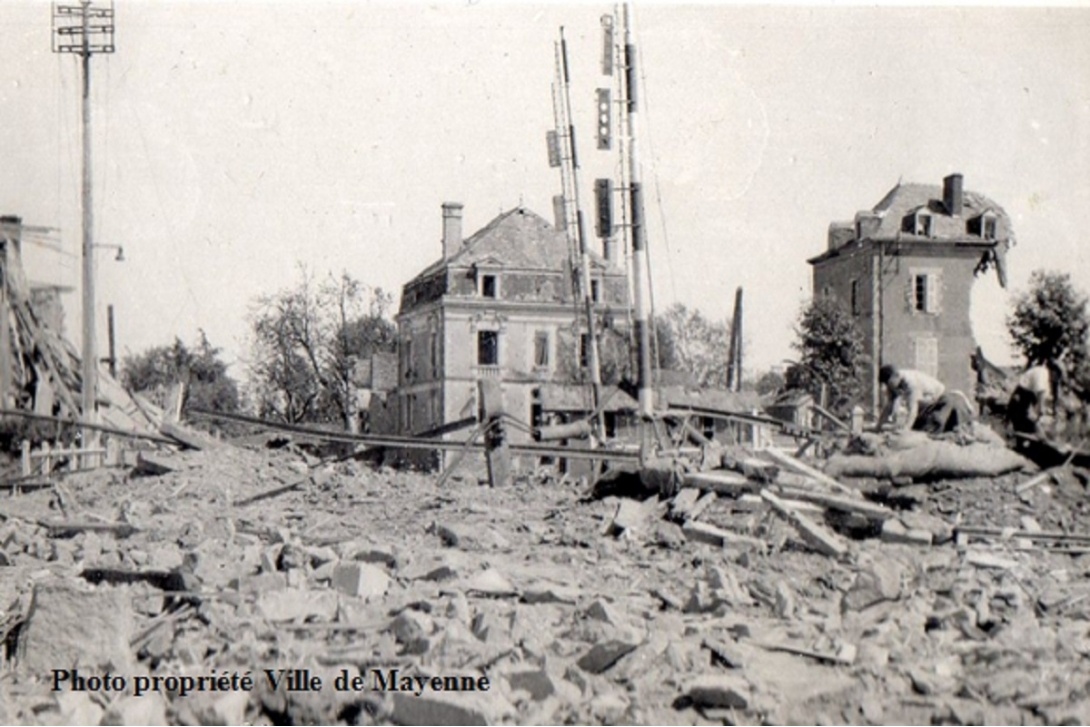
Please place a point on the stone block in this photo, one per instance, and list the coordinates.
(70, 623)
(604, 655)
(726, 691)
(360, 579)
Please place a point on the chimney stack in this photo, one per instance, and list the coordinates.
(840, 234)
(866, 224)
(452, 228)
(951, 194)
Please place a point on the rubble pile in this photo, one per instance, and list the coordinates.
(338, 592)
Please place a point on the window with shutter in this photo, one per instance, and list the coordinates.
(924, 293)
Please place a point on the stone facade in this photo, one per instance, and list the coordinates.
(499, 305)
(904, 270)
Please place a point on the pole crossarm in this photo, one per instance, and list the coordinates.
(73, 31)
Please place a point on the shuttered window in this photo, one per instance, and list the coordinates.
(923, 294)
(927, 355)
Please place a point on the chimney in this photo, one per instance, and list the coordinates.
(866, 224)
(951, 194)
(840, 233)
(452, 228)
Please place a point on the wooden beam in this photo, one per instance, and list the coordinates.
(725, 483)
(791, 463)
(815, 535)
(837, 502)
(97, 427)
(189, 437)
(830, 417)
(391, 440)
(1004, 533)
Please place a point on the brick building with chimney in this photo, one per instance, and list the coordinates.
(500, 305)
(904, 270)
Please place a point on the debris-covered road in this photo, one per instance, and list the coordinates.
(533, 604)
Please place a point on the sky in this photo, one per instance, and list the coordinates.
(234, 142)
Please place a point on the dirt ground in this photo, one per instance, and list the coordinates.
(574, 608)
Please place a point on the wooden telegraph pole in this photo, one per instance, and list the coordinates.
(86, 29)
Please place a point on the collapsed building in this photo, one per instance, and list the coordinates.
(39, 368)
(904, 270)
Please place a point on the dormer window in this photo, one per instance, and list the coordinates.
(489, 286)
(987, 226)
(984, 225)
(922, 224)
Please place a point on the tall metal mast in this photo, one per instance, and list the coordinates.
(639, 233)
(584, 256)
(72, 33)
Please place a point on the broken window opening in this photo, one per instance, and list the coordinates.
(488, 286)
(923, 225)
(988, 227)
(541, 349)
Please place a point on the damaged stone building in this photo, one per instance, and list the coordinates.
(499, 304)
(904, 270)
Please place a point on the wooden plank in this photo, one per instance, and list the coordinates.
(704, 533)
(403, 442)
(724, 483)
(57, 528)
(279, 490)
(755, 502)
(815, 535)
(189, 437)
(97, 427)
(838, 502)
(830, 417)
(783, 458)
(845, 655)
(1005, 533)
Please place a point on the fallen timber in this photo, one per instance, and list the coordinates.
(158, 439)
(1013, 533)
(795, 430)
(390, 440)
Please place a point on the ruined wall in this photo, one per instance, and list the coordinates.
(421, 291)
(835, 278)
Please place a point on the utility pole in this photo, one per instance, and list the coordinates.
(734, 360)
(638, 230)
(112, 360)
(593, 361)
(86, 29)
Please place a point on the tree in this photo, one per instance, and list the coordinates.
(830, 347)
(1050, 322)
(208, 385)
(688, 341)
(770, 382)
(306, 343)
